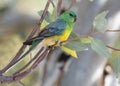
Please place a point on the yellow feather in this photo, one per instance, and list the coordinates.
(57, 38)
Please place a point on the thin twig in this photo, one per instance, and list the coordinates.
(52, 3)
(95, 33)
(59, 7)
(23, 74)
(44, 13)
(31, 35)
(61, 74)
(113, 48)
(74, 39)
(35, 57)
(45, 69)
(71, 5)
(21, 83)
(15, 58)
(112, 30)
(4, 79)
(18, 77)
(44, 54)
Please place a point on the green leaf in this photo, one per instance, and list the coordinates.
(73, 35)
(54, 15)
(81, 40)
(115, 65)
(99, 47)
(86, 40)
(47, 16)
(100, 22)
(69, 51)
(76, 44)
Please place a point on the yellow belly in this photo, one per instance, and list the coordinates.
(58, 38)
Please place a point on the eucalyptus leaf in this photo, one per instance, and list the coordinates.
(86, 40)
(99, 47)
(69, 51)
(54, 15)
(100, 22)
(47, 16)
(76, 45)
(116, 65)
(73, 35)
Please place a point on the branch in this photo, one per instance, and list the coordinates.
(35, 57)
(113, 48)
(95, 33)
(18, 76)
(52, 3)
(71, 5)
(21, 50)
(45, 70)
(112, 30)
(59, 7)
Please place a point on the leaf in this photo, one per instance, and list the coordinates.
(44, 23)
(47, 16)
(100, 22)
(76, 44)
(69, 51)
(86, 40)
(115, 65)
(54, 15)
(82, 40)
(99, 47)
(73, 35)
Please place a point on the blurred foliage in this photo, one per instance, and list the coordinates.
(9, 45)
(76, 45)
(100, 23)
(115, 59)
(100, 48)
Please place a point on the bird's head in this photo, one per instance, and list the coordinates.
(68, 16)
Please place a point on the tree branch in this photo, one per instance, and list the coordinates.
(112, 30)
(31, 35)
(59, 7)
(113, 48)
(71, 5)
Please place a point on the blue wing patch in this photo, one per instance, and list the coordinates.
(55, 28)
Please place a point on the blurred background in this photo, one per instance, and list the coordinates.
(17, 18)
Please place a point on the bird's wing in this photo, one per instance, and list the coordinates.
(54, 28)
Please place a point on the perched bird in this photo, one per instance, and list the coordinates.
(54, 33)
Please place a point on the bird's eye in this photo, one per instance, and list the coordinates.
(71, 15)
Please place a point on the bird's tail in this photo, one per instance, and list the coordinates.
(26, 53)
(32, 40)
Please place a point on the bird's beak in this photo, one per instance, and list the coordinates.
(75, 18)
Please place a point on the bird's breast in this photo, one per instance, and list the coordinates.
(57, 38)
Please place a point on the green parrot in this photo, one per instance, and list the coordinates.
(54, 33)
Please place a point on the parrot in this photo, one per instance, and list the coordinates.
(54, 33)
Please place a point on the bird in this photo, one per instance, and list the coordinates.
(54, 33)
